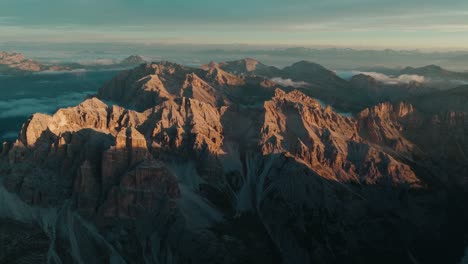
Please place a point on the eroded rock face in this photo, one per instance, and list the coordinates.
(146, 85)
(130, 150)
(382, 124)
(185, 124)
(326, 141)
(151, 84)
(33, 129)
(86, 148)
(195, 87)
(437, 140)
(140, 190)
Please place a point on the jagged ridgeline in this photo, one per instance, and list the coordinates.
(223, 164)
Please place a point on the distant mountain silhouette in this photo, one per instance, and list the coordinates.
(17, 63)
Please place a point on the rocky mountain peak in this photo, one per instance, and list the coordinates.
(251, 64)
(247, 67)
(210, 65)
(92, 103)
(296, 124)
(223, 78)
(11, 58)
(307, 65)
(390, 110)
(295, 96)
(133, 60)
(195, 87)
(383, 124)
(166, 67)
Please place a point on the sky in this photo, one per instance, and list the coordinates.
(423, 24)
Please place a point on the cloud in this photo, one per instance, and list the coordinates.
(402, 79)
(100, 61)
(27, 106)
(49, 72)
(288, 82)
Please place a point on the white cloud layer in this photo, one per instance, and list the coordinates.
(288, 82)
(402, 79)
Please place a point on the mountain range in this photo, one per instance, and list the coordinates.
(17, 64)
(433, 72)
(245, 163)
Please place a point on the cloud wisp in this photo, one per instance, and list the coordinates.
(401, 79)
(383, 78)
(288, 82)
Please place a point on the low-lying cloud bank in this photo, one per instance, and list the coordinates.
(102, 62)
(402, 79)
(442, 84)
(288, 82)
(27, 106)
(383, 78)
(51, 72)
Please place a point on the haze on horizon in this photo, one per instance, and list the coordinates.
(421, 24)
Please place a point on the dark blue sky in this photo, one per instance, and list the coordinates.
(362, 23)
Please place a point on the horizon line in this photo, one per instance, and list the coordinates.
(247, 44)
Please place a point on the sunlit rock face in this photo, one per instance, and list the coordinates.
(242, 169)
(17, 63)
(382, 124)
(327, 141)
(150, 84)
